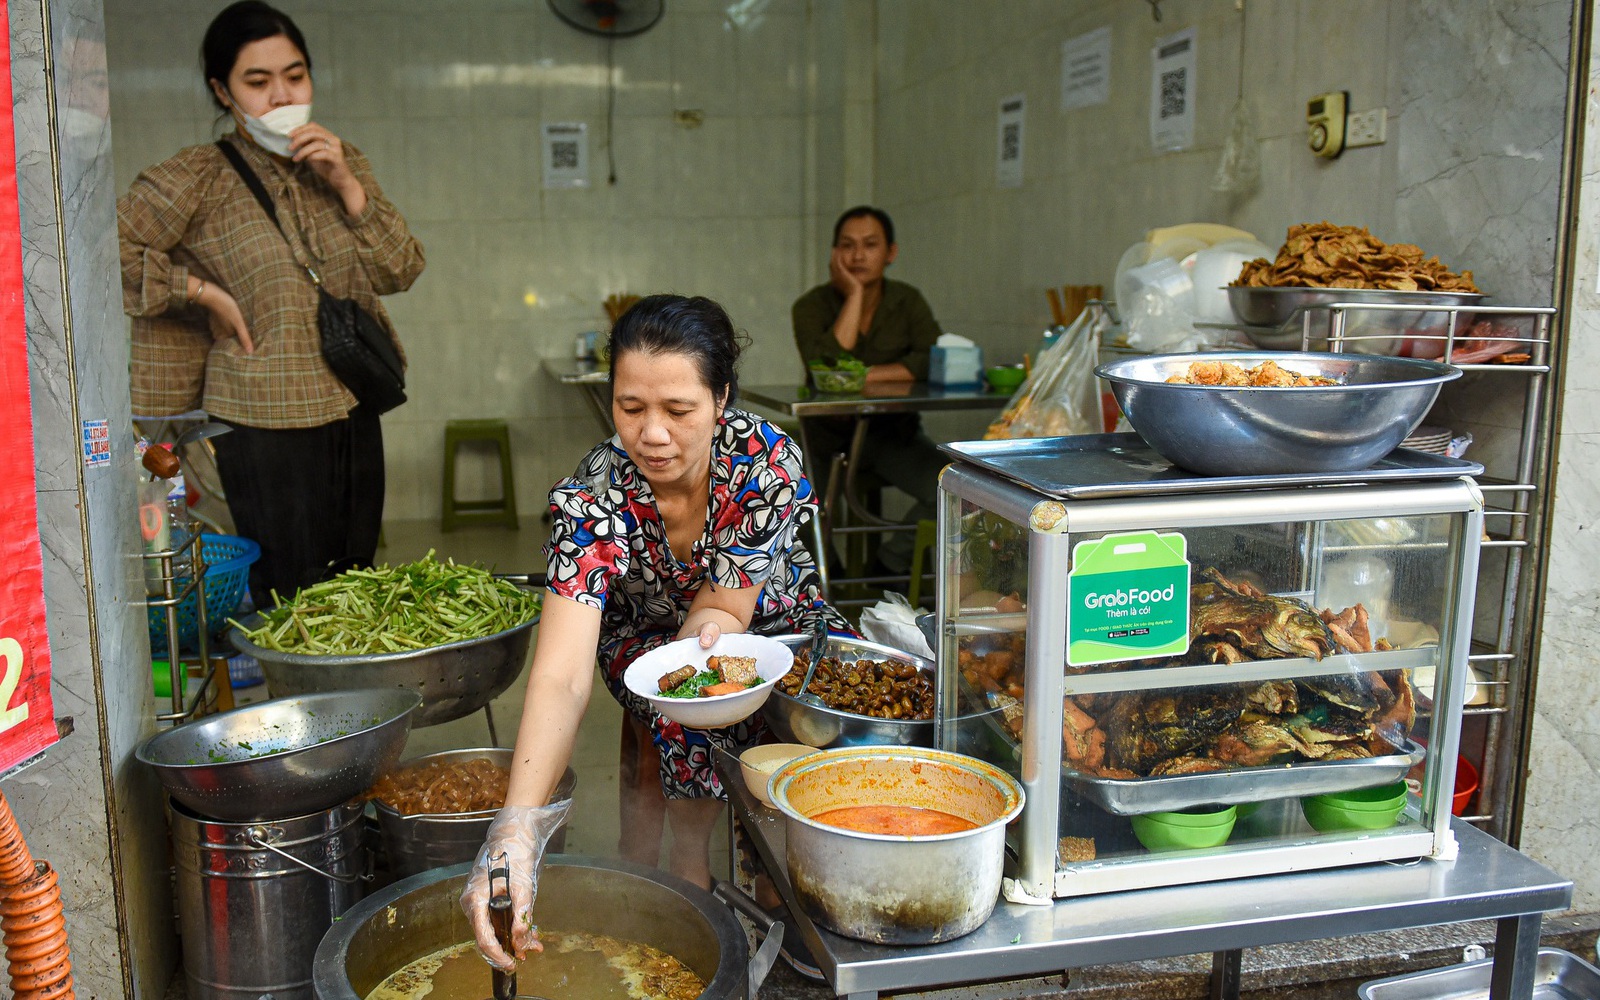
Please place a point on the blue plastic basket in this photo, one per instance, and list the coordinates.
(228, 560)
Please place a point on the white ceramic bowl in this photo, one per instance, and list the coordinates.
(773, 660)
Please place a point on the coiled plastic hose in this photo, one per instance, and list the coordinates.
(31, 919)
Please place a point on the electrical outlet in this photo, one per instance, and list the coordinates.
(1367, 128)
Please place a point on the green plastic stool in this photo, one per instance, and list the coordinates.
(458, 512)
(927, 537)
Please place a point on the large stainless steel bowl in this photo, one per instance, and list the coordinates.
(1278, 315)
(1232, 431)
(418, 916)
(284, 757)
(454, 680)
(794, 721)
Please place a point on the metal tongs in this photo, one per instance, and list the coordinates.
(819, 643)
(504, 983)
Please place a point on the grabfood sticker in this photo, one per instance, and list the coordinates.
(1128, 598)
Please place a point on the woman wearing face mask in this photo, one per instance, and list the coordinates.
(225, 315)
(684, 524)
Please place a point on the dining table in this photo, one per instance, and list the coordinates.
(843, 498)
(591, 379)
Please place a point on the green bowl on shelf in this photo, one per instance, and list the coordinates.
(1192, 829)
(1006, 378)
(1362, 809)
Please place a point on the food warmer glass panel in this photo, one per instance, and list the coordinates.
(1290, 661)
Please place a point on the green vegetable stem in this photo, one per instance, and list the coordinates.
(388, 609)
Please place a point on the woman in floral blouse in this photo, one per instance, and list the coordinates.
(686, 523)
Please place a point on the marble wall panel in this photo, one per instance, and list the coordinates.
(1560, 823)
(100, 660)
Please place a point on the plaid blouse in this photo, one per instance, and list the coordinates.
(193, 214)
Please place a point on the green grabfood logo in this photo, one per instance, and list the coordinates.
(1128, 598)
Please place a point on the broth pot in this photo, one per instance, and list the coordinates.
(895, 888)
(420, 915)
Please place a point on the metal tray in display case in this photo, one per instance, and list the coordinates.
(1100, 466)
(1135, 796)
(1558, 975)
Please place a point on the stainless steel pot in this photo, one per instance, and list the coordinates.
(421, 841)
(895, 889)
(420, 915)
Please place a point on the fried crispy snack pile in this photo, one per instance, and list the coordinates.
(1267, 373)
(1323, 255)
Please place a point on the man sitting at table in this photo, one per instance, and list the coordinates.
(888, 326)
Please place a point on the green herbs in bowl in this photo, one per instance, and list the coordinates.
(842, 374)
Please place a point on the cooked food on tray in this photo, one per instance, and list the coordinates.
(458, 786)
(394, 609)
(722, 675)
(1265, 375)
(1160, 732)
(1323, 255)
(882, 689)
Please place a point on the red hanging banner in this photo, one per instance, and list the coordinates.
(27, 717)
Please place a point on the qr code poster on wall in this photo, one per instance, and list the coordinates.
(565, 147)
(1172, 64)
(1008, 153)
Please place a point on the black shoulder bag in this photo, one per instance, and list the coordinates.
(356, 347)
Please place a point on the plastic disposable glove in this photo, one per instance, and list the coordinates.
(520, 833)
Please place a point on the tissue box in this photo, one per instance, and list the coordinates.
(955, 365)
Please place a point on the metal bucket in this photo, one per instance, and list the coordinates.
(254, 899)
(433, 840)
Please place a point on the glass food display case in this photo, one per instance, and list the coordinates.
(1199, 678)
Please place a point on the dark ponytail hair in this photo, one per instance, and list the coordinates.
(676, 324)
(238, 25)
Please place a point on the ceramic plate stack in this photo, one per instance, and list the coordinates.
(1425, 438)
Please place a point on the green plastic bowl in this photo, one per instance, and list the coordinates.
(1006, 378)
(1362, 809)
(1179, 831)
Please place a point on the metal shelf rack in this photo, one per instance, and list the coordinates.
(1515, 544)
(175, 590)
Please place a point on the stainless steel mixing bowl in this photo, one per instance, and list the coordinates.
(1278, 313)
(284, 757)
(454, 680)
(794, 721)
(1231, 431)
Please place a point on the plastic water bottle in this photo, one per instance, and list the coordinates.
(1051, 335)
(164, 521)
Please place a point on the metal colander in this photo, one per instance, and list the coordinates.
(283, 758)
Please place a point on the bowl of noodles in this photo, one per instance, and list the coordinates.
(435, 809)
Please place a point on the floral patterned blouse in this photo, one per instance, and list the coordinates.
(608, 549)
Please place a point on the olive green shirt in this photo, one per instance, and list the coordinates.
(903, 328)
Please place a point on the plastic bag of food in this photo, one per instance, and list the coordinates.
(1061, 394)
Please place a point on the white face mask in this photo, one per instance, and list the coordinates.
(271, 130)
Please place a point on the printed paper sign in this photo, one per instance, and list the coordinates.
(1008, 161)
(565, 148)
(1172, 64)
(27, 717)
(1128, 598)
(96, 442)
(1086, 69)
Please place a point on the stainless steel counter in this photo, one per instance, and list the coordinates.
(1488, 880)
